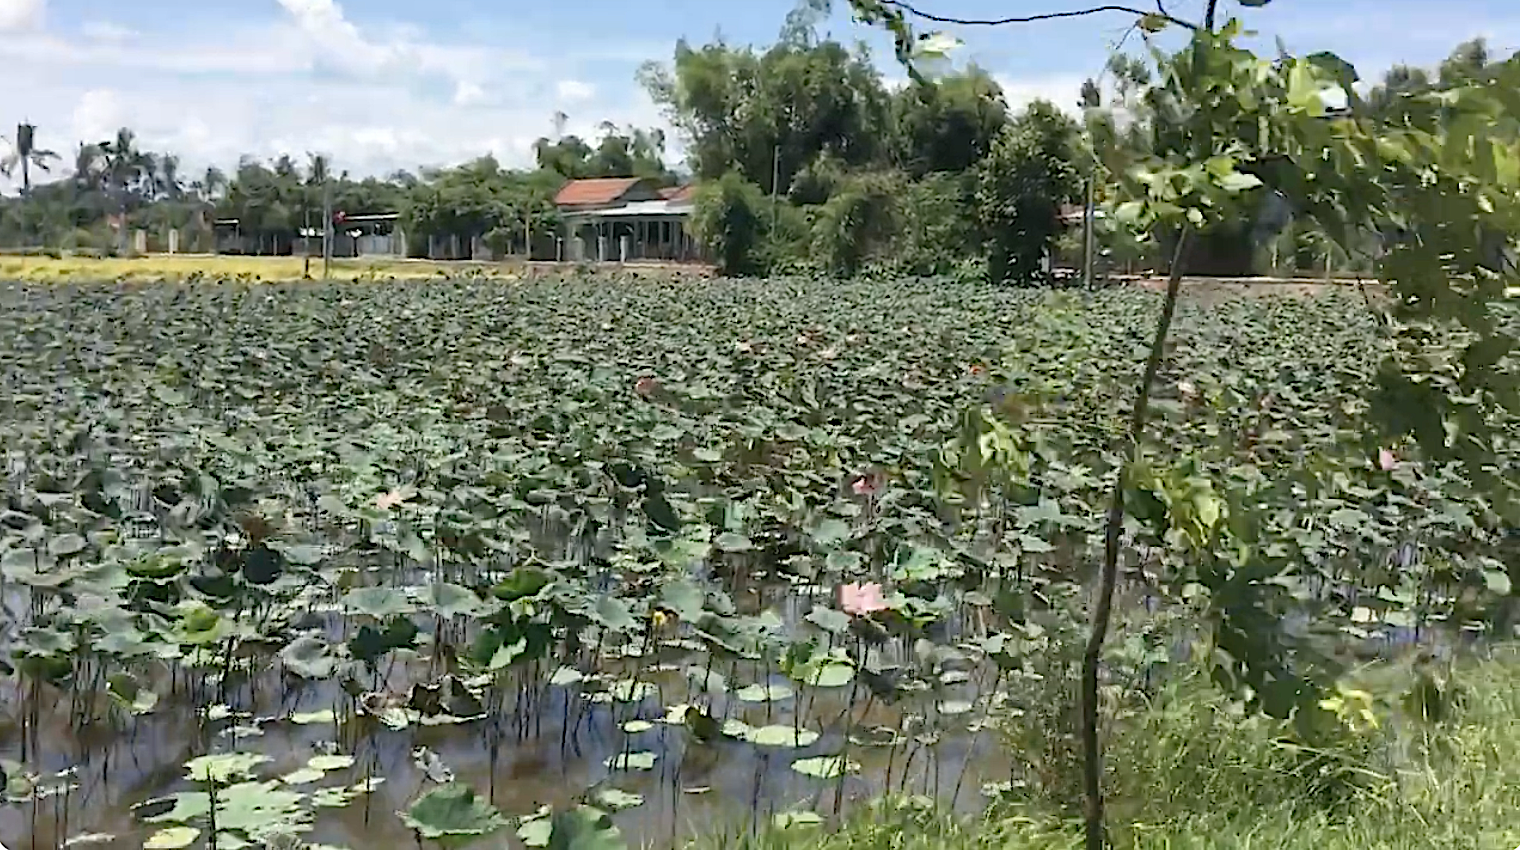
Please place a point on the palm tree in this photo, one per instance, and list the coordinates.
(167, 178)
(125, 167)
(26, 154)
(213, 182)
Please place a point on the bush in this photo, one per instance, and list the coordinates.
(726, 218)
(861, 221)
(1020, 188)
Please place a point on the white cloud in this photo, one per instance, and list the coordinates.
(21, 15)
(106, 31)
(574, 91)
(377, 98)
(97, 115)
(1063, 90)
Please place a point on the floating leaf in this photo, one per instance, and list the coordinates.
(796, 819)
(954, 706)
(382, 603)
(222, 767)
(565, 676)
(451, 811)
(303, 776)
(616, 800)
(332, 762)
(632, 761)
(732, 542)
(633, 727)
(763, 693)
(308, 718)
(172, 838)
(584, 828)
(632, 690)
(825, 767)
(781, 736)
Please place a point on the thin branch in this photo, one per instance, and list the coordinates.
(1029, 19)
(1108, 576)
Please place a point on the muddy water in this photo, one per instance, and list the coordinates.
(546, 745)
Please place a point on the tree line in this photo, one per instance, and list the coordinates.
(806, 159)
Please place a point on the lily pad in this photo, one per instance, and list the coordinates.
(303, 776)
(616, 800)
(773, 692)
(452, 811)
(825, 767)
(172, 838)
(781, 736)
(332, 762)
(223, 767)
(642, 760)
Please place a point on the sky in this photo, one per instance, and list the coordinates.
(388, 84)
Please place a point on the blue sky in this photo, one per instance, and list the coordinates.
(386, 84)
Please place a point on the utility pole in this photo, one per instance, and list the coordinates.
(1089, 237)
(775, 183)
(327, 226)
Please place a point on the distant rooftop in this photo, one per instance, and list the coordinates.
(593, 191)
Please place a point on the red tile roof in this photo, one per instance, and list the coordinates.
(597, 190)
(677, 193)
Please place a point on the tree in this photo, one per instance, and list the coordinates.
(1020, 188)
(633, 152)
(726, 218)
(125, 168)
(25, 154)
(769, 115)
(948, 124)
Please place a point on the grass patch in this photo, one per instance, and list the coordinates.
(1187, 771)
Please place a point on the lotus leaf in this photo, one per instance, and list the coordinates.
(451, 811)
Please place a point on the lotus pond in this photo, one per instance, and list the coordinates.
(618, 560)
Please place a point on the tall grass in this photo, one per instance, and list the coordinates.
(1187, 769)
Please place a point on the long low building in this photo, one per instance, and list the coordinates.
(620, 219)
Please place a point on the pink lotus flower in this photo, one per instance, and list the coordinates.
(386, 501)
(646, 386)
(861, 600)
(1387, 460)
(868, 485)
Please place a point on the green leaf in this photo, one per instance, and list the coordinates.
(763, 693)
(616, 800)
(223, 767)
(732, 542)
(309, 658)
(379, 602)
(172, 838)
(1237, 181)
(302, 776)
(452, 811)
(632, 761)
(65, 545)
(1497, 582)
(825, 767)
(333, 762)
(584, 828)
(781, 736)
